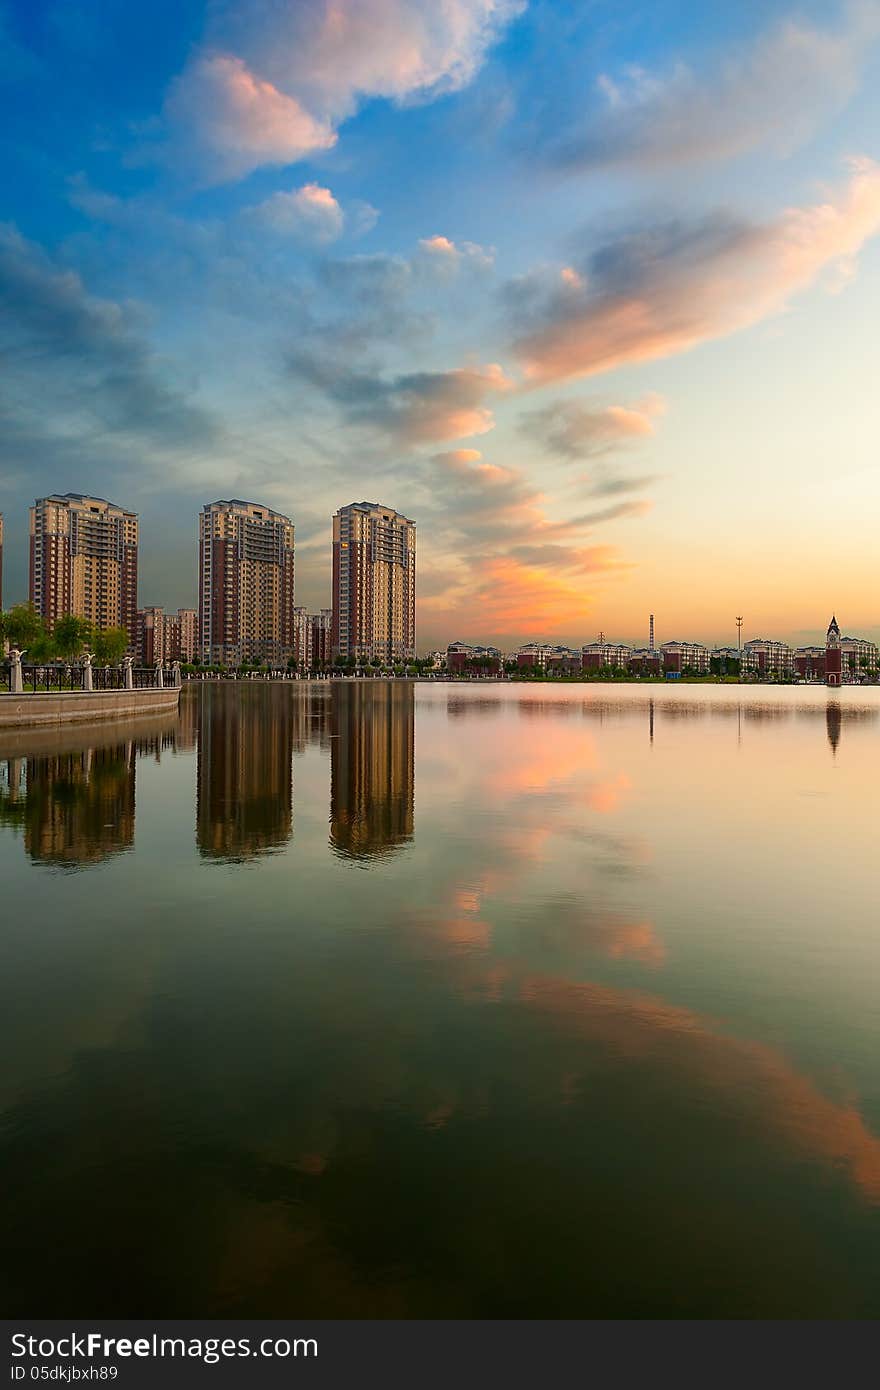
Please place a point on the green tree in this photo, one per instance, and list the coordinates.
(111, 645)
(42, 648)
(22, 626)
(72, 635)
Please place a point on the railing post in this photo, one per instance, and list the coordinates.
(88, 684)
(159, 681)
(128, 673)
(16, 683)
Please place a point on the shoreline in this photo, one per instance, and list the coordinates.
(54, 710)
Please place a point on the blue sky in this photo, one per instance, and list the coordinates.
(590, 293)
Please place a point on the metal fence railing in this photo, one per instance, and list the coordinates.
(55, 677)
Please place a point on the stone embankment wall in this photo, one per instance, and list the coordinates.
(74, 706)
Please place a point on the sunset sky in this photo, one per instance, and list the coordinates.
(590, 291)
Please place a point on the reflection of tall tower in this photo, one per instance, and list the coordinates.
(832, 723)
(832, 654)
(372, 776)
(78, 808)
(244, 796)
(186, 734)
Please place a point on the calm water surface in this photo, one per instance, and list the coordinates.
(389, 1000)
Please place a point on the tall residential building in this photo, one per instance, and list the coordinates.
(246, 581)
(322, 638)
(165, 636)
(84, 561)
(188, 632)
(374, 583)
(302, 639)
(151, 636)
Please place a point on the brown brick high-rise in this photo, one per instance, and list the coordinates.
(374, 583)
(246, 584)
(84, 561)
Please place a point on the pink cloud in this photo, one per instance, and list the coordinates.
(666, 290)
(310, 213)
(274, 81)
(229, 121)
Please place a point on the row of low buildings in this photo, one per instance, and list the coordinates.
(761, 658)
(84, 561)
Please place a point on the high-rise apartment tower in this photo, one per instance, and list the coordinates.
(246, 583)
(84, 561)
(374, 583)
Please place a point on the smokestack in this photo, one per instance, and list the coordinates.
(651, 637)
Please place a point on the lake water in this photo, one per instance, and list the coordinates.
(377, 999)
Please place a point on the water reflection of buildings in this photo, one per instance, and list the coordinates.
(75, 806)
(244, 795)
(832, 724)
(372, 768)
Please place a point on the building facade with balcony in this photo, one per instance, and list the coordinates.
(679, 658)
(765, 658)
(374, 584)
(246, 584)
(84, 561)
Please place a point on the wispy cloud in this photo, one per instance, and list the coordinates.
(79, 372)
(584, 429)
(515, 568)
(414, 408)
(771, 92)
(664, 289)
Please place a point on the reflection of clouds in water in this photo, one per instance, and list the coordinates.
(568, 927)
(753, 1085)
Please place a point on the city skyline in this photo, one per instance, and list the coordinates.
(298, 642)
(589, 294)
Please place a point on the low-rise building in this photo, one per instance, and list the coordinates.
(564, 661)
(809, 663)
(858, 656)
(533, 655)
(461, 657)
(679, 658)
(596, 655)
(763, 657)
(645, 661)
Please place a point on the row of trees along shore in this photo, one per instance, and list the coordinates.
(22, 627)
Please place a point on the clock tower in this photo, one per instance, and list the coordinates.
(832, 654)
